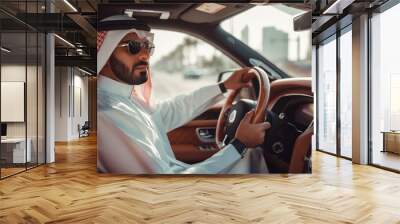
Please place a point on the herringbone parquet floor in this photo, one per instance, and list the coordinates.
(70, 191)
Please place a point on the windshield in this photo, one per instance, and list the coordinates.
(268, 29)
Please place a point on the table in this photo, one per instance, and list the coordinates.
(13, 150)
(391, 141)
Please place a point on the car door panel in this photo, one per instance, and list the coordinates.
(185, 141)
(195, 141)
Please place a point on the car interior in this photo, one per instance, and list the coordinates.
(285, 102)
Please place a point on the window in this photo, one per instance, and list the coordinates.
(385, 87)
(327, 96)
(335, 106)
(346, 93)
(273, 36)
(184, 63)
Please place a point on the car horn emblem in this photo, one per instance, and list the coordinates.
(278, 147)
(232, 116)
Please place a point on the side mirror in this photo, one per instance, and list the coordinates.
(225, 74)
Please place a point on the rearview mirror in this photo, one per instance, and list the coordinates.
(303, 21)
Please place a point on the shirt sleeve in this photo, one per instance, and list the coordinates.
(181, 109)
(126, 148)
(127, 144)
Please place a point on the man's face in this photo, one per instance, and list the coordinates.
(130, 68)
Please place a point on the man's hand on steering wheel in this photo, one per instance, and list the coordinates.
(250, 134)
(239, 79)
(236, 127)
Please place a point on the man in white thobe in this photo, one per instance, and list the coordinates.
(132, 133)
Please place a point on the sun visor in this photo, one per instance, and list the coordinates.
(121, 22)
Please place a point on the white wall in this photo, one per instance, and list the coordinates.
(314, 90)
(33, 126)
(70, 83)
(16, 73)
(80, 100)
(61, 103)
(360, 90)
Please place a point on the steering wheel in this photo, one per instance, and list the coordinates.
(232, 113)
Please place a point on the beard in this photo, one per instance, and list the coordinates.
(126, 74)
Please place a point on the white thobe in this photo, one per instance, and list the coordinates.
(132, 137)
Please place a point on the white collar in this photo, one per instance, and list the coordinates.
(114, 87)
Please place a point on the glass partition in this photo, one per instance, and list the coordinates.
(14, 153)
(327, 96)
(31, 100)
(32, 88)
(22, 89)
(346, 93)
(41, 97)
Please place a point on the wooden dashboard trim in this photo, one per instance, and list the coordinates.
(289, 87)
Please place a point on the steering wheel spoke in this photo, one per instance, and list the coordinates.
(224, 141)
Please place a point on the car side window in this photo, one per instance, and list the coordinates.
(182, 63)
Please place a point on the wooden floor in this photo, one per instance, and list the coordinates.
(8, 171)
(70, 191)
(387, 159)
(5, 172)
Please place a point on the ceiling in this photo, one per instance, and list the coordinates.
(332, 15)
(76, 22)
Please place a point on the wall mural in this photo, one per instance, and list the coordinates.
(198, 92)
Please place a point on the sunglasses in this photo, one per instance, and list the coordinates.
(134, 47)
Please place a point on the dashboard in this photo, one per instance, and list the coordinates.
(293, 99)
(291, 111)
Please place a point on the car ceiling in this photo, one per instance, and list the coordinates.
(183, 11)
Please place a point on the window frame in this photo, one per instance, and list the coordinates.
(378, 10)
(336, 36)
